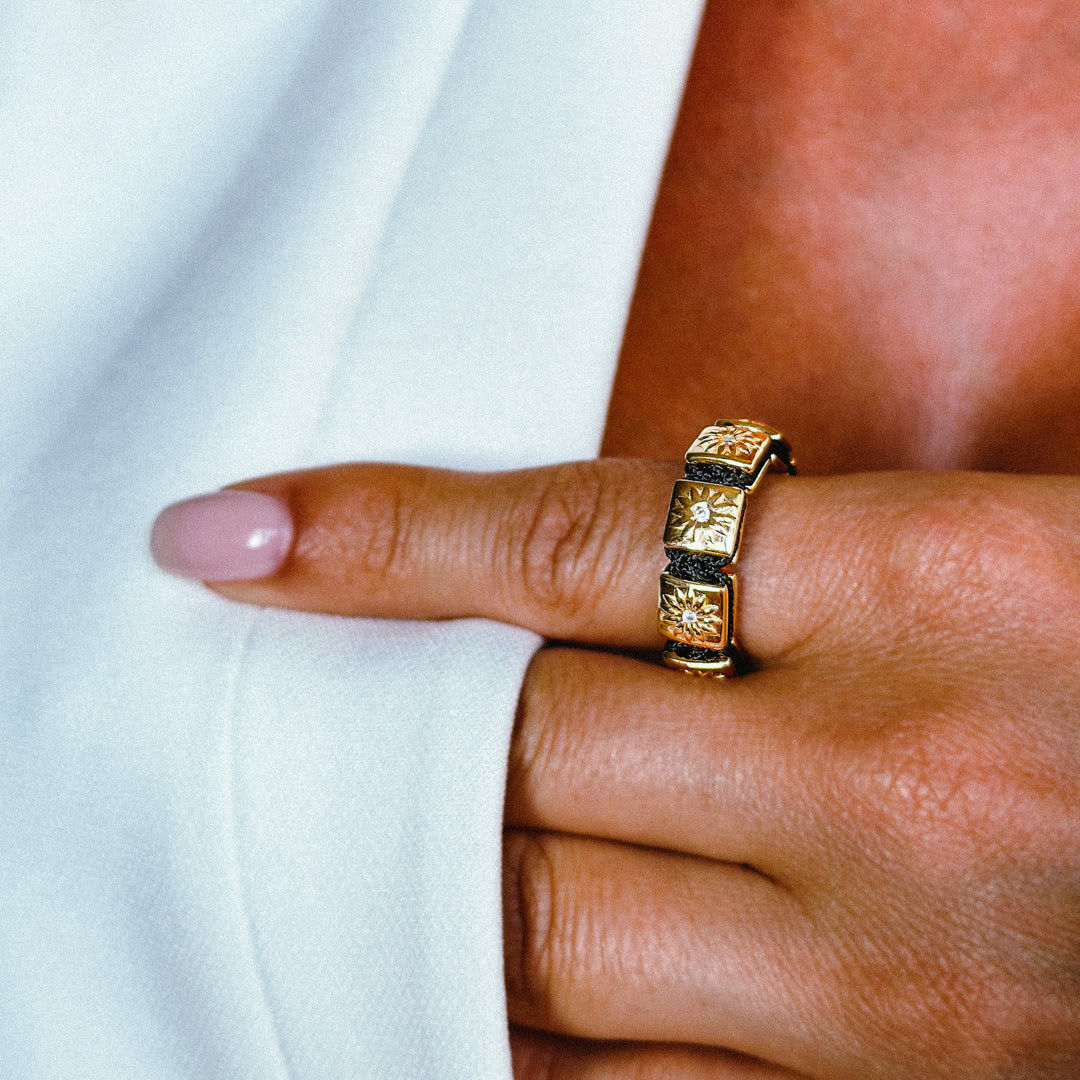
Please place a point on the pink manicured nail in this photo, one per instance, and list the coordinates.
(227, 536)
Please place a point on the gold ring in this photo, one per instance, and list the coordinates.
(701, 539)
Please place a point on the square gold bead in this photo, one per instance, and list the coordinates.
(740, 444)
(705, 517)
(696, 614)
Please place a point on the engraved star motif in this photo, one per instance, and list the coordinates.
(731, 441)
(690, 616)
(702, 517)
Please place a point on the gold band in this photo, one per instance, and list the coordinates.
(704, 525)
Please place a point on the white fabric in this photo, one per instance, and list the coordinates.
(237, 238)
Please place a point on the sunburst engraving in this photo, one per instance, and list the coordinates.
(704, 517)
(732, 442)
(695, 615)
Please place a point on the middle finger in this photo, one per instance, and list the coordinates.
(611, 747)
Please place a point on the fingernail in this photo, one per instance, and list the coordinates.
(226, 536)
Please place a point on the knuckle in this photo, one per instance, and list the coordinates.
(948, 548)
(568, 537)
(529, 899)
(940, 792)
(953, 525)
(961, 792)
(551, 933)
(929, 789)
(971, 560)
(547, 745)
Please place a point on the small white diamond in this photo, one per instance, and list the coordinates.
(701, 512)
(690, 618)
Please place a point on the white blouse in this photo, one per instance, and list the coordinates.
(237, 238)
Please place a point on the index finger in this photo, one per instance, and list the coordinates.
(570, 551)
(574, 551)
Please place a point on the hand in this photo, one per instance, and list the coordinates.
(861, 860)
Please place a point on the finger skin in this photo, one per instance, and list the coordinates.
(611, 942)
(540, 1056)
(606, 746)
(615, 943)
(834, 567)
(569, 551)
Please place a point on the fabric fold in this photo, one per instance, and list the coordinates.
(244, 843)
